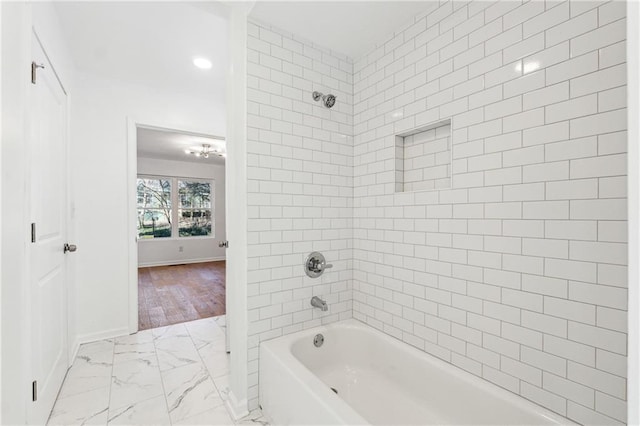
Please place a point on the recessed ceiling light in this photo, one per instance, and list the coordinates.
(202, 63)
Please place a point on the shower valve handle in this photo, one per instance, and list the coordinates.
(315, 264)
(318, 265)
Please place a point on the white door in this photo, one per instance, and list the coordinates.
(48, 211)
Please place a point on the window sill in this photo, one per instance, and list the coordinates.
(145, 240)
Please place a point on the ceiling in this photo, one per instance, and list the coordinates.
(154, 43)
(148, 43)
(348, 27)
(168, 145)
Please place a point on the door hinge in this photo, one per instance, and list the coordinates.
(34, 71)
(33, 232)
(34, 390)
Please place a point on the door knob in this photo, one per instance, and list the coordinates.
(70, 247)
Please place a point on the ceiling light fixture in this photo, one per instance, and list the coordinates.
(206, 151)
(202, 63)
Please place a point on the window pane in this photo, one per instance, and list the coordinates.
(194, 195)
(195, 214)
(194, 223)
(154, 223)
(154, 193)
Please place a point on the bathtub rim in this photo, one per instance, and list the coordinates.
(283, 346)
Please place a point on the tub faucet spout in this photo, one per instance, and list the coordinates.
(316, 302)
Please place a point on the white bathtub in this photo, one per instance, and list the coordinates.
(380, 381)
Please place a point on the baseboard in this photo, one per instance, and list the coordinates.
(74, 351)
(237, 409)
(181, 262)
(94, 337)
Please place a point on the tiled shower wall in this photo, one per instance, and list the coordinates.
(300, 194)
(423, 160)
(518, 273)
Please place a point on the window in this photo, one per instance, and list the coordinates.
(154, 208)
(195, 208)
(157, 216)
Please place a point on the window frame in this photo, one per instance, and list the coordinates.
(211, 208)
(175, 206)
(171, 208)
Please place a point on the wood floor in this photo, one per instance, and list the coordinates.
(173, 294)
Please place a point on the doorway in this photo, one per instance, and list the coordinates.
(174, 294)
(180, 226)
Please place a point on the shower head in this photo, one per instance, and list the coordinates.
(327, 100)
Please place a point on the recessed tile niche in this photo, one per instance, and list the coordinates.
(423, 158)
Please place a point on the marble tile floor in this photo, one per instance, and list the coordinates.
(174, 375)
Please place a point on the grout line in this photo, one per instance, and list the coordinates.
(111, 377)
(204, 365)
(164, 391)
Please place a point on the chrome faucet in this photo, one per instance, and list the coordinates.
(316, 302)
(315, 265)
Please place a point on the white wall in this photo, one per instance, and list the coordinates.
(165, 251)
(100, 109)
(236, 174)
(1, 135)
(518, 273)
(633, 69)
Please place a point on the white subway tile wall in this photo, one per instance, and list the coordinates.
(423, 160)
(300, 186)
(518, 273)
